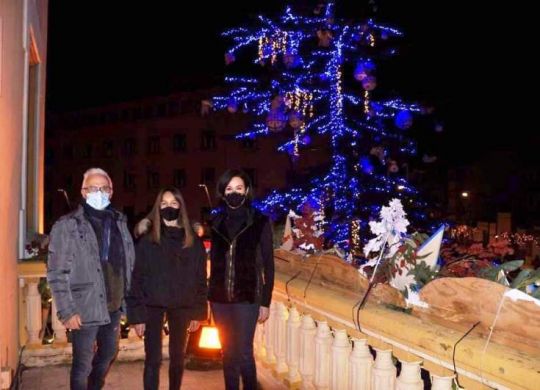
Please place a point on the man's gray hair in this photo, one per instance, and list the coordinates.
(96, 171)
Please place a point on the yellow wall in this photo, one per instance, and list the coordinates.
(17, 19)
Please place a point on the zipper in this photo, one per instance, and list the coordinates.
(232, 244)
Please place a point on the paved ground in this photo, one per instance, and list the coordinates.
(128, 376)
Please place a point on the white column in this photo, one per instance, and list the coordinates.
(384, 371)
(293, 345)
(341, 349)
(260, 350)
(33, 311)
(361, 364)
(269, 335)
(323, 342)
(307, 351)
(280, 345)
(58, 328)
(441, 382)
(410, 377)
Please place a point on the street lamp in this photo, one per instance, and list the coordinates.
(65, 197)
(207, 194)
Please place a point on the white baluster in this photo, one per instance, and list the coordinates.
(410, 377)
(441, 382)
(361, 364)
(341, 349)
(58, 328)
(323, 342)
(280, 342)
(307, 351)
(269, 335)
(384, 371)
(33, 312)
(260, 350)
(293, 346)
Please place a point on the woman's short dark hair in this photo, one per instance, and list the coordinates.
(226, 178)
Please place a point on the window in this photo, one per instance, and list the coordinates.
(86, 151)
(179, 178)
(179, 143)
(174, 108)
(153, 180)
(153, 145)
(208, 175)
(129, 181)
(162, 109)
(108, 148)
(248, 144)
(130, 146)
(208, 140)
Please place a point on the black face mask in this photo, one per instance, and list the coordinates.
(169, 213)
(235, 200)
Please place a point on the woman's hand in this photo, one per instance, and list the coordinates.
(193, 326)
(264, 312)
(139, 329)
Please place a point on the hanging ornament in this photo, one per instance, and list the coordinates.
(295, 120)
(325, 37)
(369, 83)
(366, 166)
(364, 69)
(229, 58)
(404, 119)
(291, 60)
(232, 106)
(374, 109)
(276, 121)
(306, 140)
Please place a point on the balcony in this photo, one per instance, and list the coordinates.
(310, 342)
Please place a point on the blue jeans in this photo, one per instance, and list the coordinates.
(90, 365)
(236, 323)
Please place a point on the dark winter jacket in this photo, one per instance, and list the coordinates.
(168, 275)
(242, 264)
(75, 271)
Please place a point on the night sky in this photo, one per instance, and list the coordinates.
(107, 51)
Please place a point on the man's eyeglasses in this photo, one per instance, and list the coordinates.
(105, 189)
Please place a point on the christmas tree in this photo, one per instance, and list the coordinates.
(314, 77)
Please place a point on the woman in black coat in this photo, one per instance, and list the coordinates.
(242, 276)
(169, 279)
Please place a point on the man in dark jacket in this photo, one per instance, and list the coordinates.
(91, 257)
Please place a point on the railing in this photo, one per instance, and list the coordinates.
(56, 351)
(311, 342)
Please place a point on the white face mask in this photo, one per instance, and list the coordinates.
(98, 200)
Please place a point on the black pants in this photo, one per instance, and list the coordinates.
(178, 323)
(236, 323)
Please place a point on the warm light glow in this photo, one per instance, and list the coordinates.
(465, 194)
(400, 187)
(209, 338)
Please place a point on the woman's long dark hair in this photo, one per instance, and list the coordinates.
(155, 217)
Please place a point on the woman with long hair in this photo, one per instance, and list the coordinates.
(169, 279)
(242, 276)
